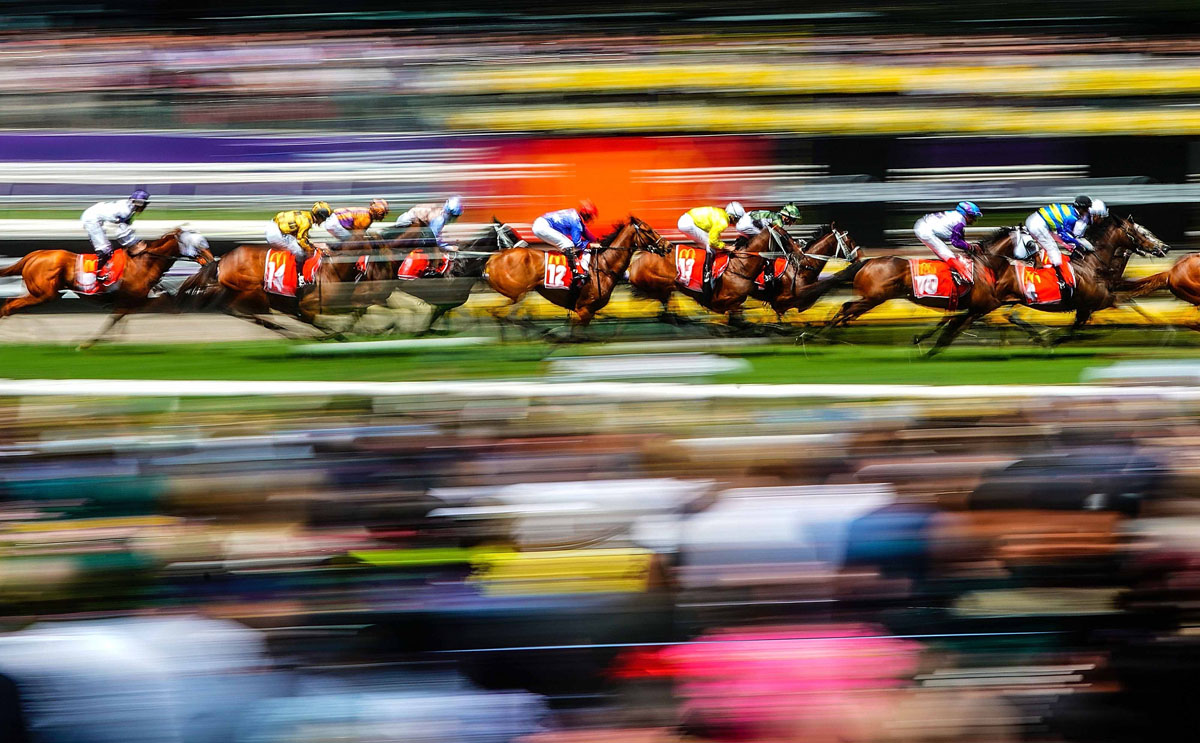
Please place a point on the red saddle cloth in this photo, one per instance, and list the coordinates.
(558, 271)
(416, 266)
(779, 264)
(86, 280)
(279, 271)
(689, 266)
(1040, 285)
(931, 278)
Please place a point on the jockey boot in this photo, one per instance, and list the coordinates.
(102, 264)
(707, 281)
(1065, 285)
(958, 271)
(576, 277)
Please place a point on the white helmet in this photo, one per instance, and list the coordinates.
(735, 210)
(1098, 209)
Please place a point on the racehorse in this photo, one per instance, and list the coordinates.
(1098, 276)
(519, 270)
(444, 292)
(47, 272)
(654, 274)
(802, 268)
(236, 285)
(1181, 279)
(996, 280)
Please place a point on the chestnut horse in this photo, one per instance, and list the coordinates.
(519, 270)
(235, 285)
(47, 272)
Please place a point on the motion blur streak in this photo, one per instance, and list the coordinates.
(538, 420)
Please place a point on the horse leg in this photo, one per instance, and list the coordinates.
(1036, 334)
(922, 337)
(109, 323)
(252, 307)
(851, 311)
(1081, 318)
(17, 303)
(954, 327)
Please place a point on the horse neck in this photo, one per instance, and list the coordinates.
(152, 262)
(824, 245)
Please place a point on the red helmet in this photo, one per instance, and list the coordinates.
(587, 210)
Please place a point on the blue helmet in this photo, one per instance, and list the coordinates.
(969, 209)
(139, 196)
(454, 206)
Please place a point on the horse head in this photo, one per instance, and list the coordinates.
(180, 242)
(645, 237)
(1114, 235)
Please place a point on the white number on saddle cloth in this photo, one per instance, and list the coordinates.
(274, 273)
(556, 271)
(927, 284)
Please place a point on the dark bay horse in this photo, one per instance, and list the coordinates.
(803, 267)
(653, 274)
(47, 272)
(445, 292)
(1098, 277)
(519, 270)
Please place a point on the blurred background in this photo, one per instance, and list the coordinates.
(581, 555)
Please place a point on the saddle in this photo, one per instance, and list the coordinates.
(87, 281)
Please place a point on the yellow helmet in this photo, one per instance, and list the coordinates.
(378, 208)
(321, 211)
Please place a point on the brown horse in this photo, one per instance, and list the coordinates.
(519, 270)
(803, 267)
(879, 279)
(235, 284)
(47, 272)
(1181, 279)
(654, 274)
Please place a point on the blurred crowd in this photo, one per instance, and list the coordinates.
(430, 568)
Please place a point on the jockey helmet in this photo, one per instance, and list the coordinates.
(378, 208)
(969, 209)
(790, 212)
(454, 206)
(321, 211)
(139, 198)
(1098, 209)
(587, 210)
(735, 210)
(1083, 203)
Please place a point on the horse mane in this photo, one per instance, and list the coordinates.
(617, 227)
(995, 237)
(821, 231)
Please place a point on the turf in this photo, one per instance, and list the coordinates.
(773, 364)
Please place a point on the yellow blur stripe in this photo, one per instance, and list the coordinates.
(830, 119)
(113, 522)
(824, 78)
(565, 571)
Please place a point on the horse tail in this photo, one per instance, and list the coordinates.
(809, 295)
(17, 267)
(1131, 289)
(196, 287)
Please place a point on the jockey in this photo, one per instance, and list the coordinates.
(704, 225)
(346, 221)
(756, 221)
(434, 217)
(566, 229)
(939, 227)
(1064, 224)
(289, 230)
(119, 213)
